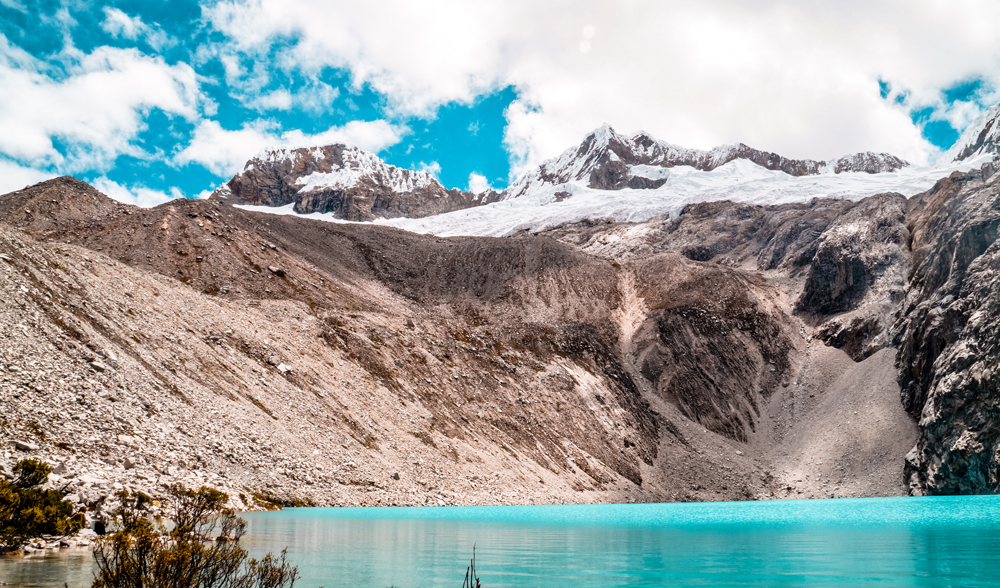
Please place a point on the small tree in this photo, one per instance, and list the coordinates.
(140, 554)
(27, 511)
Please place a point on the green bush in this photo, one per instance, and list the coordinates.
(27, 511)
(202, 550)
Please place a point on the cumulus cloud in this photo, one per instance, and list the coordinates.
(797, 78)
(14, 176)
(478, 183)
(316, 97)
(94, 109)
(433, 168)
(137, 194)
(224, 152)
(119, 24)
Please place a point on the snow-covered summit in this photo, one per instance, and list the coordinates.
(623, 177)
(339, 167)
(607, 160)
(981, 138)
(343, 180)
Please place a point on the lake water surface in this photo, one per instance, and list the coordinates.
(886, 542)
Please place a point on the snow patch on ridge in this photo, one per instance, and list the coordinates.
(739, 181)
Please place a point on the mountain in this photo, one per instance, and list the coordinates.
(981, 138)
(948, 344)
(345, 181)
(609, 175)
(607, 160)
(348, 183)
(730, 350)
(914, 278)
(284, 358)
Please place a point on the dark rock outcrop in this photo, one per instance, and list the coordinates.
(949, 346)
(869, 163)
(859, 268)
(711, 344)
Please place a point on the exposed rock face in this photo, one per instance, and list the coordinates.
(869, 163)
(346, 181)
(847, 261)
(859, 272)
(608, 160)
(712, 343)
(949, 346)
(918, 275)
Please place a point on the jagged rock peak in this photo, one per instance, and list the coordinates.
(981, 138)
(868, 162)
(605, 159)
(336, 166)
(349, 182)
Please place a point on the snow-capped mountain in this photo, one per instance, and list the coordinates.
(608, 160)
(609, 175)
(343, 181)
(981, 138)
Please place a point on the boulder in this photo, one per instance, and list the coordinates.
(24, 446)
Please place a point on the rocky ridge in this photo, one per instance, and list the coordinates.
(344, 180)
(981, 138)
(947, 337)
(355, 185)
(608, 160)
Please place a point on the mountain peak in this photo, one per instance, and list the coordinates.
(981, 138)
(51, 204)
(344, 180)
(605, 158)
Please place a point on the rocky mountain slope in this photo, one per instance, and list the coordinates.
(731, 351)
(281, 358)
(914, 278)
(947, 339)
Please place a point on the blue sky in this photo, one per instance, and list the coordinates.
(166, 98)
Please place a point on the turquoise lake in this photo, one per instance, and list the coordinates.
(886, 542)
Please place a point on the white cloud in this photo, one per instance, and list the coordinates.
(276, 100)
(433, 168)
(14, 176)
(224, 152)
(14, 4)
(478, 183)
(119, 24)
(797, 78)
(95, 110)
(317, 97)
(136, 194)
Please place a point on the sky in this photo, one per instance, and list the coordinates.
(157, 99)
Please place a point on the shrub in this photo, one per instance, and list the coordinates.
(27, 511)
(140, 553)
